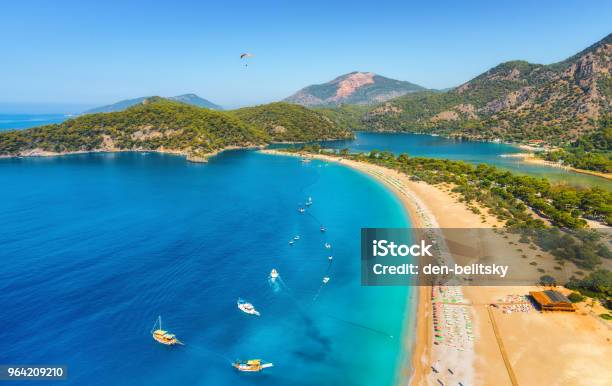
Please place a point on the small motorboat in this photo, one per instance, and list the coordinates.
(273, 274)
(328, 245)
(309, 202)
(325, 279)
(322, 229)
(296, 238)
(247, 307)
(330, 258)
(290, 242)
(251, 365)
(162, 336)
(301, 210)
(306, 160)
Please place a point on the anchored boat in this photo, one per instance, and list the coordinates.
(309, 202)
(251, 365)
(162, 336)
(325, 280)
(273, 274)
(327, 245)
(247, 307)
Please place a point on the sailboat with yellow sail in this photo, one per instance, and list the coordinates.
(162, 336)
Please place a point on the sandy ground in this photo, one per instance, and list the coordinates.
(532, 159)
(520, 347)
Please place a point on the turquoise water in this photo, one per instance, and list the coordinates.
(24, 121)
(471, 151)
(95, 246)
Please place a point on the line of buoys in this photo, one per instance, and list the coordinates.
(363, 326)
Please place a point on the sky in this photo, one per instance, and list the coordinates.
(67, 55)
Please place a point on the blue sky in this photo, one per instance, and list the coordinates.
(73, 53)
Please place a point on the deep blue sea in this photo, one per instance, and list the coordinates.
(24, 121)
(96, 246)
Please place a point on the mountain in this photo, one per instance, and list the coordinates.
(159, 124)
(190, 99)
(193, 99)
(359, 88)
(515, 100)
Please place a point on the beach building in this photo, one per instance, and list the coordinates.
(552, 301)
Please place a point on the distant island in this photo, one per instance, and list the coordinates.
(190, 99)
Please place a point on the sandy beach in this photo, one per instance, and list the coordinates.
(532, 159)
(480, 344)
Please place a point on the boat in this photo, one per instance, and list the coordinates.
(327, 245)
(162, 336)
(302, 210)
(247, 307)
(274, 274)
(309, 202)
(325, 279)
(306, 160)
(290, 242)
(330, 257)
(251, 365)
(296, 238)
(322, 229)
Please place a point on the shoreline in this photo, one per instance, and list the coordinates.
(419, 345)
(480, 354)
(412, 371)
(530, 158)
(39, 153)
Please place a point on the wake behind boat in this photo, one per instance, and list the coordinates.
(247, 307)
(251, 365)
(273, 274)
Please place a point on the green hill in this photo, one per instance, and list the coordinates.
(287, 122)
(164, 125)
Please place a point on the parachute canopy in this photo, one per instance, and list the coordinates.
(244, 57)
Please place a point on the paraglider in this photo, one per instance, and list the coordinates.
(244, 57)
